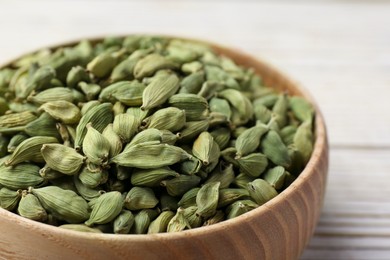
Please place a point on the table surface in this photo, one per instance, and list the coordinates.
(338, 50)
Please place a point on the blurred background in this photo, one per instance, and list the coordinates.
(338, 50)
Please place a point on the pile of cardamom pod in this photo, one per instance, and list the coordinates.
(144, 134)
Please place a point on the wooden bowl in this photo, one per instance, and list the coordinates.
(279, 229)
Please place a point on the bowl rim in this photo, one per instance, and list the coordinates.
(320, 145)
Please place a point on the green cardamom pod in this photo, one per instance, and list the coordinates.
(218, 217)
(14, 142)
(180, 185)
(148, 65)
(221, 137)
(45, 125)
(190, 167)
(240, 207)
(261, 191)
(118, 108)
(48, 173)
(207, 199)
(168, 202)
(178, 222)
(192, 83)
(132, 95)
(96, 147)
(249, 140)
(126, 126)
(114, 140)
(76, 75)
(9, 199)
(99, 116)
(170, 118)
(151, 177)
(262, 113)
(123, 222)
(16, 119)
(50, 95)
(230, 195)
(160, 224)
(275, 177)
(86, 192)
(30, 207)
(253, 164)
(62, 158)
(223, 174)
(242, 180)
(192, 216)
(124, 70)
(240, 103)
(196, 107)
(107, 208)
(191, 67)
(40, 79)
(205, 149)
(280, 110)
(90, 90)
(159, 90)
(303, 140)
(93, 179)
(142, 220)
(275, 150)
(189, 198)
(62, 110)
(30, 150)
(88, 105)
(140, 198)
(192, 129)
(287, 134)
(150, 155)
(57, 201)
(301, 108)
(102, 65)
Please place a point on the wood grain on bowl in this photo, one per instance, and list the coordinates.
(280, 229)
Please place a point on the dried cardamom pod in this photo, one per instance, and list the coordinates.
(140, 198)
(45, 125)
(102, 65)
(189, 198)
(240, 207)
(142, 220)
(160, 224)
(16, 119)
(99, 116)
(30, 150)
(261, 191)
(192, 83)
(9, 199)
(48, 173)
(50, 95)
(113, 139)
(207, 199)
(192, 129)
(196, 107)
(30, 207)
(62, 110)
(224, 176)
(170, 118)
(159, 90)
(301, 108)
(126, 126)
(123, 222)
(151, 177)
(93, 179)
(275, 150)
(240, 103)
(76, 75)
(242, 180)
(253, 164)
(303, 140)
(96, 147)
(148, 65)
(86, 192)
(178, 222)
(62, 158)
(56, 201)
(107, 208)
(218, 217)
(280, 110)
(132, 95)
(90, 90)
(249, 140)
(168, 202)
(205, 149)
(14, 142)
(275, 177)
(221, 137)
(150, 155)
(230, 195)
(180, 185)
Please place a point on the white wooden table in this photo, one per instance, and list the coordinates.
(339, 50)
